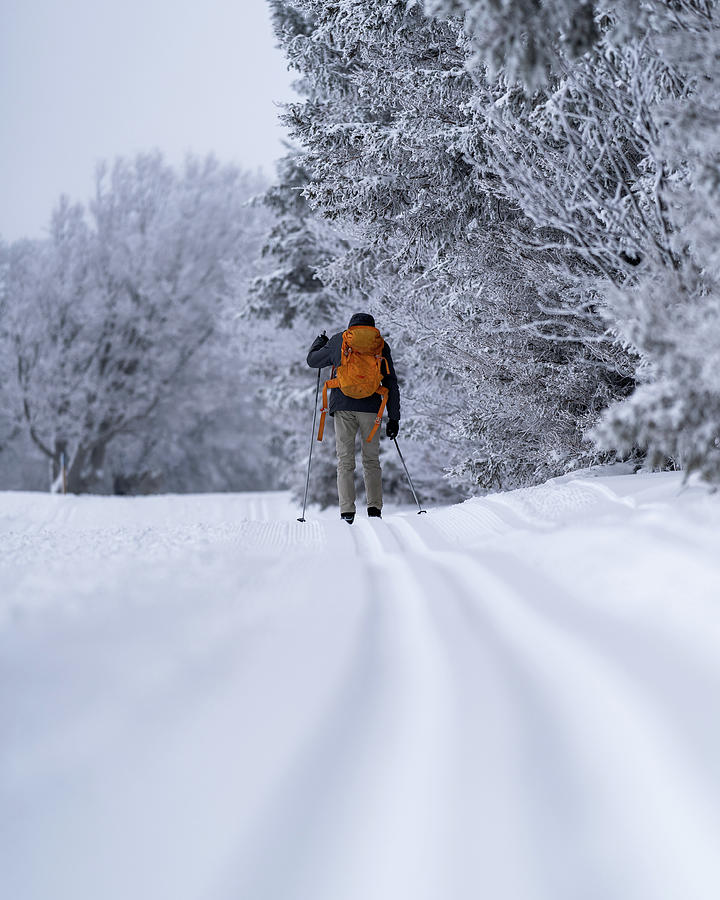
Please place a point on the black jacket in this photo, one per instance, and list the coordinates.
(321, 355)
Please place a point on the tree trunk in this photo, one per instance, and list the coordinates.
(75, 482)
(56, 461)
(97, 461)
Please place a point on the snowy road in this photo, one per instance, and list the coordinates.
(202, 699)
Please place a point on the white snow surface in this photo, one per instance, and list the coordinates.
(515, 698)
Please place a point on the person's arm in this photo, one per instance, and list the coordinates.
(320, 354)
(390, 381)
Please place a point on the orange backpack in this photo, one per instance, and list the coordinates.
(360, 371)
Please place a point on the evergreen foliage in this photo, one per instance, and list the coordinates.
(531, 192)
(308, 288)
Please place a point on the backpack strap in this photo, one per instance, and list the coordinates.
(383, 391)
(330, 383)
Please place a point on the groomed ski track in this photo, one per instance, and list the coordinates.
(515, 698)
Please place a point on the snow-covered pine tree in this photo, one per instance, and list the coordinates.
(510, 384)
(671, 309)
(345, 276)
(295, 305)
(610, 162)
(289, 305)
(523, 38)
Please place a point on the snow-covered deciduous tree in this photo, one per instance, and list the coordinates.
(106, 317)
(9, 426)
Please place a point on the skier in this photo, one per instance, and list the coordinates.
(358, 413)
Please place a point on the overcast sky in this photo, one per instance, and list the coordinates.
(84, 80)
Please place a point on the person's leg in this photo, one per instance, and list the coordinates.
(371, 460)
(346, 427)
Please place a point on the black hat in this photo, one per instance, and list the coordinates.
(361, 319)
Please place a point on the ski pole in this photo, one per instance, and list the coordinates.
(312, 441)
(412, 487)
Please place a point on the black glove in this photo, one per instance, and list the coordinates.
(319, 342)
(393, 426)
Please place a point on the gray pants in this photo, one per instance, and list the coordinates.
(347, 424)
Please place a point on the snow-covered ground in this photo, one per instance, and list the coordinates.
(517, 697)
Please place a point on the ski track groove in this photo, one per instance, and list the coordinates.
(473, 721)
(423, 588)
(396, 685)
(652, 761)
(493, 820)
